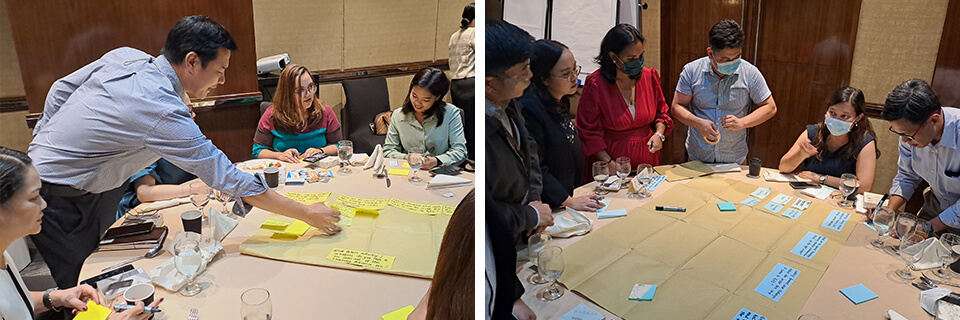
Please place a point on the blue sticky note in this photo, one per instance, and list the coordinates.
(745, 314)
(858, 294)
(773, 207)
(836, 220)
(606, 204)
(726, 206)
(776, 283)
(655, 182)
(611, 213)
(394, 163)
(792, 213)
(643, 292)
(582, 312)
(750, 201)
(809, 245)
(870, 225)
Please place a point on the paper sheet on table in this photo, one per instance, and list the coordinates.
(725, 167)
(687, 170)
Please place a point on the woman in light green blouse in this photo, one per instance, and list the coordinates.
(426, 121)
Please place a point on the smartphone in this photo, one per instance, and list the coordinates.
(803, 185)
(92, 281)
(314, 158)
(130, 230)
(448, 170)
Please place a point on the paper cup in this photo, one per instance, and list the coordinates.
(141, 292)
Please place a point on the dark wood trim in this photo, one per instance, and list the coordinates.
(337, 75)
(32, 119)
(228, 100)
(11, 104)
(873, 109)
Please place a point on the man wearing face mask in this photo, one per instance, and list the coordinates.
(929, 151)
(842, 143)
(714, 96)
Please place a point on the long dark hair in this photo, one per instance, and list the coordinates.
(617, 39)
(435, 81)
(851, 150)
(546, 53)
(451, 293)
(12, 169)
(468, 15)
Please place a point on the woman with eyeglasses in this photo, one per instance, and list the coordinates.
(622, 111)
(844, 142)
(546, 108)
(426, 121)
(297, 125)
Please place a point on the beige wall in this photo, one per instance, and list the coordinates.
(650, 26)
(14, 133)
(887, 142)
(11, 84)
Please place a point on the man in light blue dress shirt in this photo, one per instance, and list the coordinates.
(714, 95)
(929, 151)
(115, 116)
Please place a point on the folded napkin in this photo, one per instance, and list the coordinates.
(928, 298)
(377, 157)
(448, 181)
(359, 158)
(221, 224)
(158, 205)
(564, 227)
(930, 253)
(166, 274)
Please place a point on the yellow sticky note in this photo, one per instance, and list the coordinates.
(297, 228)
(367, 211)
(405, 165)
(399, 172)
(346, 215)
(284, 236)
(361, 258)
(274, 225)
(400, 314)
(308, 198)
(98, 312)
(448, 210)
(363, 203)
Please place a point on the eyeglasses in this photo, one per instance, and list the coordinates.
(572, 76)
(523, 76)
(310, 89)
(909, 137)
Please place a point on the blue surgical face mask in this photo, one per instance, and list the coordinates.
(729, 67)
(632, 68)
(837, 127)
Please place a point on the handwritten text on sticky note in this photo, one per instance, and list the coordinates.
(809, 245)
(777, 282)
(361, 258)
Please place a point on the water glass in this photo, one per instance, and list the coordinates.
(550, 265)
(910, 249)
(415, 160)
(535, 245)
(623, 170)
(951, 242)
(600, 174)
(200, 195)
(255, 304)
(883, 220)
(187, 259)
(644, 175)
(345, 152)
(848, 186)
(906, 224)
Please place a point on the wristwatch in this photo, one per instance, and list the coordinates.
(823, 179)
(662, 137)
(46, 299)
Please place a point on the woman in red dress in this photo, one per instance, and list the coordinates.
(622, 112)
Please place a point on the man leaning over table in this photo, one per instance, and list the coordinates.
(929, 144)
(108, 120)
(717, 91)
(513, 181)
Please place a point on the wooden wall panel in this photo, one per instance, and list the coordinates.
(11, 84)
(78, 32)
(231, 128)
(378, 34)
(946, 76)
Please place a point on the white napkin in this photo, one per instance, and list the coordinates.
(448, 181)
(563, 227)
(930, 255)
(377, 157)
(359, 158)
(724, 167)
(166, 274)
(928, 299)
(158, 205)
(221, 224)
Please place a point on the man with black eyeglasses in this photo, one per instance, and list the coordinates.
(929, 151)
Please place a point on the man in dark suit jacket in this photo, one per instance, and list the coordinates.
(513, 206)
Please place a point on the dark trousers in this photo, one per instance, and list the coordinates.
(461, 92)
(72, 225)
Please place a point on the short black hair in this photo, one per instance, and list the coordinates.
(726, 34)
(198, 34)
(468, 15)
(435, 81)
(506, 46)
(617, 39)
(12, 173)
(545, 55)
(913, 100)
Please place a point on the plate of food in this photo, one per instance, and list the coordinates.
(258, 164)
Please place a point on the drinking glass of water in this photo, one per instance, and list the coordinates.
(415, 160)
(848, 186)
(187, 259)
(644, 175)
(883, 220)
(600, 174)
(550, 265)
(345, 152)
(535, 245)
(255, 304)
(623, 170)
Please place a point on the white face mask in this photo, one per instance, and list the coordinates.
(837, 127)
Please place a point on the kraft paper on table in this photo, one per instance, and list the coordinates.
(706, 263)
(412, 237)
(683, 171)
